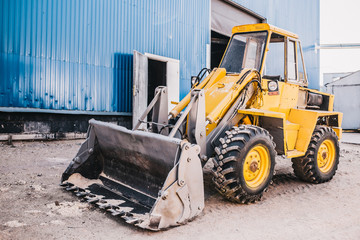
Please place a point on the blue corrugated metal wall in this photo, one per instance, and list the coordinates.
(301, 17)
(77, 55)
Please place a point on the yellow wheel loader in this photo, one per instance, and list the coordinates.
(239, 116)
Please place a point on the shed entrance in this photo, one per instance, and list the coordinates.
(151, 71)
(225, 14)
(156, 77)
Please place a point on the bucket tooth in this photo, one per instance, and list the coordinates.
(103, 205)
(118, 213)
(81, 194)
(109, 203)
(73, 188)
(115, 212)
(110, 210)
(131, 220)
(90, 196)
(65, 184)
(93, 199)
(127, 210)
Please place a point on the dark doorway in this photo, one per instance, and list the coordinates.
(218, 47)
(156, 76)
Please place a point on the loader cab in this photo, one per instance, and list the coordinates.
(245, 50)
(284, 60)
(274, 52)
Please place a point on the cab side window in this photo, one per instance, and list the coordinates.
(300, 65)
(291, 61)
(275, 63)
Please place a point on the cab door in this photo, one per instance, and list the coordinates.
(290, 90)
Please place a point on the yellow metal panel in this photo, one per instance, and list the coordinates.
(251, 28)
(298, 129)
(213, 77)
(294, 153)
(220, 96)
(338, 132)
(292, 126)
(263, 27)
(289, 97)
(271, 102)
(330, 113)
(291, 131)
(266, 113)
(331, 103)
(307, 121)
(340, 117)
(325, 113)
(315, 91)
(262, 112)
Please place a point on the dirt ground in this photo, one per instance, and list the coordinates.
(33, 206)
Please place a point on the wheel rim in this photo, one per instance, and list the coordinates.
(326, 156)
(256, 166)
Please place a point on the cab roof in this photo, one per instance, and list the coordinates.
(263, 27)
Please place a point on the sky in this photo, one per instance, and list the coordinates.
(339, 23)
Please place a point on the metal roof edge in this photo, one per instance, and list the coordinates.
(341, 78)
(262, 27)
(248, 11)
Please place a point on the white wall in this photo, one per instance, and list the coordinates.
(339, 21)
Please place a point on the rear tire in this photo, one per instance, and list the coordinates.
(321, 159)
(244, 163)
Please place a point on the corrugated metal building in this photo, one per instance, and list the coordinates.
(76, 57)
(346, 90)
(330, 77)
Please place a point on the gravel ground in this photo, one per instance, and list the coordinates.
(33, 206)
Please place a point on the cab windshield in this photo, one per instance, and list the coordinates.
(245, 50)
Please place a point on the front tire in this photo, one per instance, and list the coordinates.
(244, 163)
(321, 159)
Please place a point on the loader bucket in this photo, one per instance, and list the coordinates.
(150, 180)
